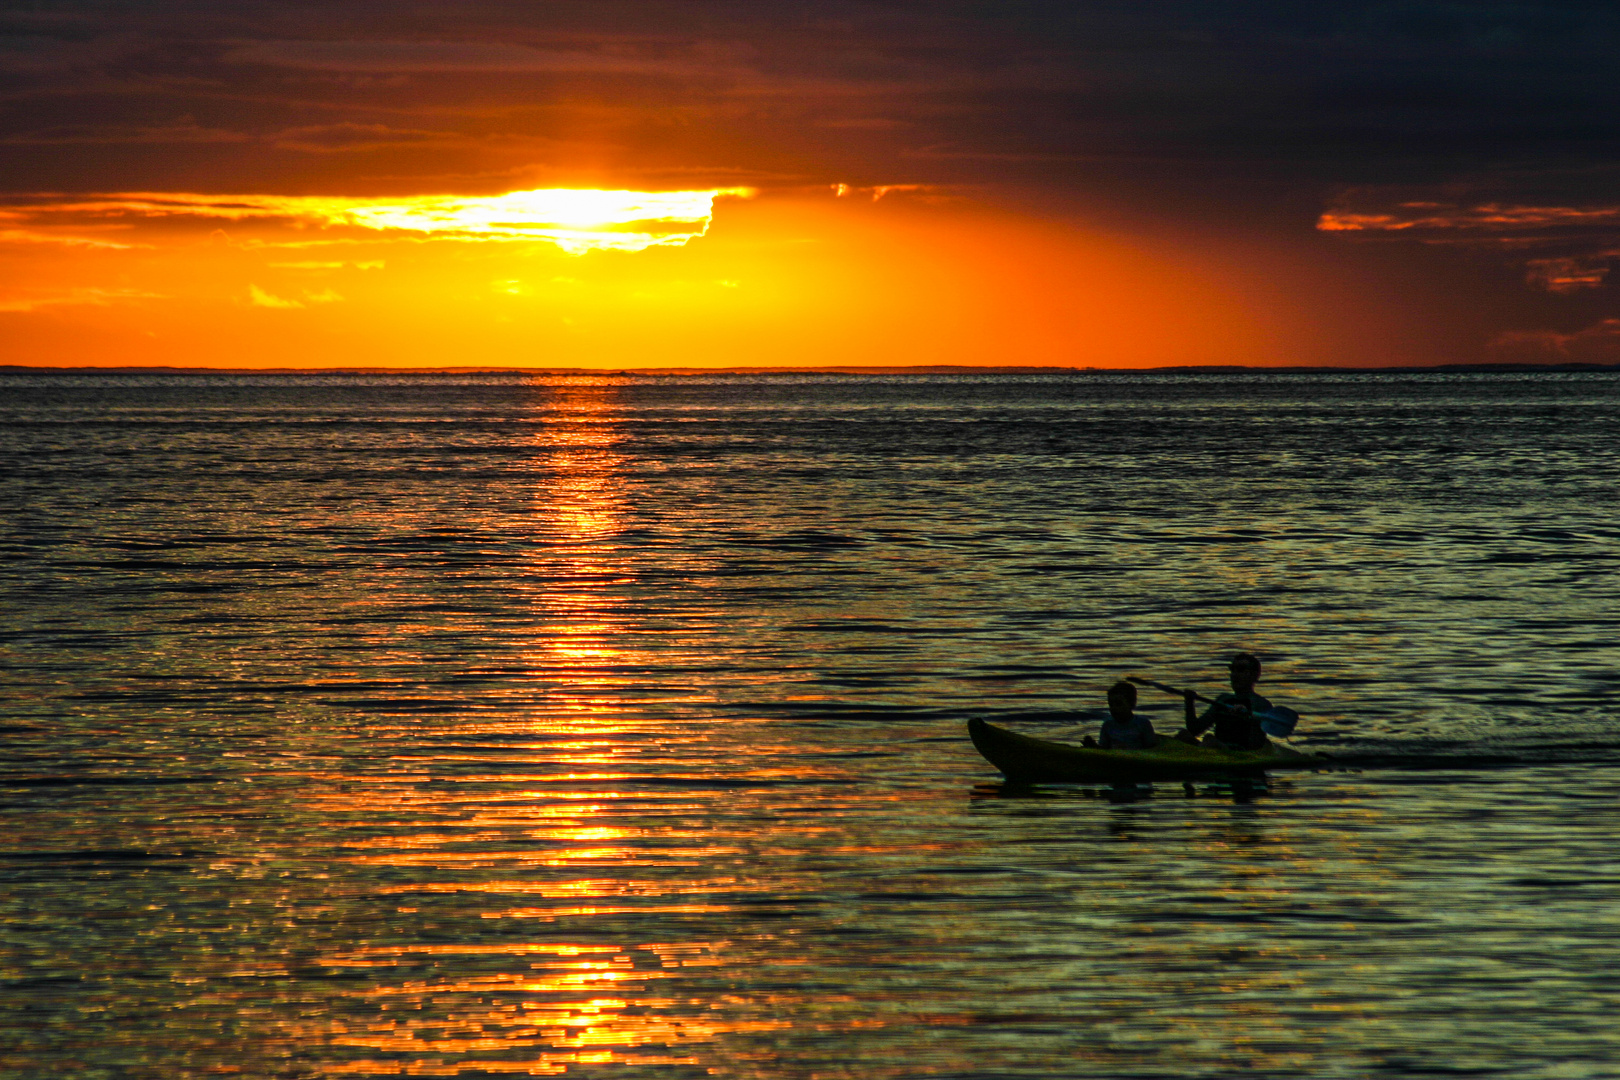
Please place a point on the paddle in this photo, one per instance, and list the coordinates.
(1276, 720)
(1167, 689)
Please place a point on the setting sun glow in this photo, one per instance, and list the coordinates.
(591, 278)
(575, 219)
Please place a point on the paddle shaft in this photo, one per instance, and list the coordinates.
(1167, 689)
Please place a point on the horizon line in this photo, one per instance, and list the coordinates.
(830, 369)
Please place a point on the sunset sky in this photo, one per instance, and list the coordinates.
(1115, 184)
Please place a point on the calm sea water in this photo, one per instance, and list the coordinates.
(493, 726)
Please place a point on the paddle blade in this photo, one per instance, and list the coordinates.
(1278, 721)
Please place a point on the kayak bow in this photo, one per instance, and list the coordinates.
(1022, 758)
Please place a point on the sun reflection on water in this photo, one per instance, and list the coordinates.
(485, 836)
(580, 506)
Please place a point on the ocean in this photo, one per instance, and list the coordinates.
(504, 725)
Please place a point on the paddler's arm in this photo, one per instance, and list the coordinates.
(1197, 725)
(1189, 730)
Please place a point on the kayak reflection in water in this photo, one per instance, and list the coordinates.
(1123, 730)
(1233, 715)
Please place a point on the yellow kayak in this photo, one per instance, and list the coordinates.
(1031, 760)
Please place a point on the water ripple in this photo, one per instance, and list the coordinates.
(500, 725)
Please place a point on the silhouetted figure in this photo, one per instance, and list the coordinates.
(1232, 715)
(1123, 730)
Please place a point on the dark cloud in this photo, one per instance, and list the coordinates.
(1307, 93)
(181, 130)
(1598, 343)
(348, 137)
(460, 56)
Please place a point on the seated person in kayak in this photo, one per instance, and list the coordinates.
(1233, 715)
(1123, 730)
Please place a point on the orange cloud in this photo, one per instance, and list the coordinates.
(876, 192)
(1564, 248)
(26, 236)
(1570, 275)
(259, 298)
(1489, 217)
(79, 297)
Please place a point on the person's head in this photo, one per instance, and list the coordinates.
(1245, 672)
(1121, 700)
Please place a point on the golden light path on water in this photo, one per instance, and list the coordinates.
(546, 1006)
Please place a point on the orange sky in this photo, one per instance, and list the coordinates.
(1106, 185)
(802, 277)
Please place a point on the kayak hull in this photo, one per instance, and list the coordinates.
(1025, 759)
